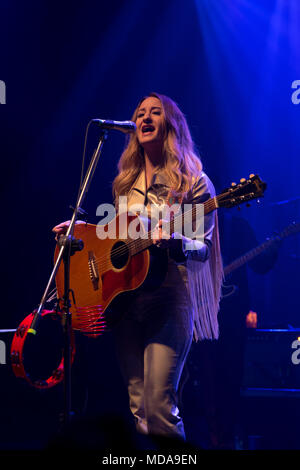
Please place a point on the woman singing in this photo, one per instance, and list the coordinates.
(158, 166)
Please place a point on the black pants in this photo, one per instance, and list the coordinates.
(152, 341)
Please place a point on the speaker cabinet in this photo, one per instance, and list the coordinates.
(271, 360)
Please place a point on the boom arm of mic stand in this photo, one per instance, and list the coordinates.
(83, 191)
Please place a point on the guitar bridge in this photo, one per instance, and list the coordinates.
(93, 270)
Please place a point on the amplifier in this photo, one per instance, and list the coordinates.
(272, 359)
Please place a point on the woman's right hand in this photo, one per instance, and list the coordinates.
(62, 228)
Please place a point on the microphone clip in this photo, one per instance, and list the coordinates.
(75, 244)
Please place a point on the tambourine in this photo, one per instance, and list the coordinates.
(17, 359)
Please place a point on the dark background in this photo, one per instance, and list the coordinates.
(228, 65)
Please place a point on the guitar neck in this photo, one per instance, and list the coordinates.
(293, 228)
(247, 257)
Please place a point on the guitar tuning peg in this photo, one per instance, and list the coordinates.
(242, 180)
(233, 184)
(251, 175)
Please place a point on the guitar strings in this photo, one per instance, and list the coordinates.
(105, 260)
(210, 205)
(127, 246)
(121, 251)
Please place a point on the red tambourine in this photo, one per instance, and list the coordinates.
(17, 359)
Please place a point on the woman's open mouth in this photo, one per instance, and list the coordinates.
(147, 129)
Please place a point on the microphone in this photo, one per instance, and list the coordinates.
(123, 126)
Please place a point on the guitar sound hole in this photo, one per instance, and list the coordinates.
(119, 255)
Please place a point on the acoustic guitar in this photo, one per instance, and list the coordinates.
(106, 268)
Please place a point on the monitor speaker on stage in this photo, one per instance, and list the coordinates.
(271, 360)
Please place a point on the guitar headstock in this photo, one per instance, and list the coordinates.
(245, 191)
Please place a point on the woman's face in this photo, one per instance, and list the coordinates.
(150, 122)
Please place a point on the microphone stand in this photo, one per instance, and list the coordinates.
(68, 246)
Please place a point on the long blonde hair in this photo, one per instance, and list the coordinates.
(180, 161)
(182, 167)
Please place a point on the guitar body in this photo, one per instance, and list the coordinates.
(99, 273)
